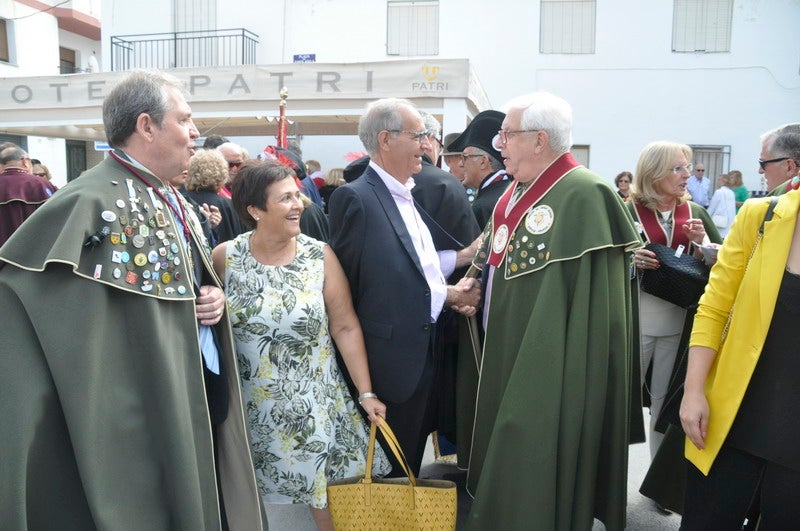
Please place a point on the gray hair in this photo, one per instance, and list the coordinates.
(432, 125)
(141, 92)
(494, 164)
(381, 115)
(542, 111)
(783, 141)
(11, 153)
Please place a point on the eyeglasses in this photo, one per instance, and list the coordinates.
(503, 136)
(419, 136)
(699, 170)
(465, 156)
(763, 163)
(624, 181)
(232, 165)
(680, 169)
(41, 174)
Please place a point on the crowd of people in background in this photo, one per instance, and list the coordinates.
(235, 322)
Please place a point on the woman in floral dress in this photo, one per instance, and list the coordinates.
(288, 298)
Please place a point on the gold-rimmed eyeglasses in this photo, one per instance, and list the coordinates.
(503, 136)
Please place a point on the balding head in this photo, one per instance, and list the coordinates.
(234, 156)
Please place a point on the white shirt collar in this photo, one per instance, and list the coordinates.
(395, 187)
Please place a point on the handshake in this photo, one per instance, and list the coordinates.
(465, 296)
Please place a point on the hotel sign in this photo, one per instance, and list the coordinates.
(450, 78)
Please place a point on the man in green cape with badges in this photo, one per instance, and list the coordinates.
(119, 389)
(550, 442)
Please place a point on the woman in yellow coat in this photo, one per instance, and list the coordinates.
(741, 404)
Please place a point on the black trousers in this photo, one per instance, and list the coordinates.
(413, 420)
(736, 480)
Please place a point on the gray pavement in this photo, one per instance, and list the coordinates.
(642, 512)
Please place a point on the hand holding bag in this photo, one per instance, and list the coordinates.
(679, 279)
(399, 504)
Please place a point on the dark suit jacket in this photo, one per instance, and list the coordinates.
(483, 205)
(390, 294)
(230, 226)
(445, 200)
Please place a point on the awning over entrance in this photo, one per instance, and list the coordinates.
(324, 98)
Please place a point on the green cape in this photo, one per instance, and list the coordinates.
(102, 397)
(550, 444)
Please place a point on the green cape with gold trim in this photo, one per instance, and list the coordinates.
(550, 443)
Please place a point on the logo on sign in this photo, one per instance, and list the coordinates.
(430, 74)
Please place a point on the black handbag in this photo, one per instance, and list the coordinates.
(679, 279)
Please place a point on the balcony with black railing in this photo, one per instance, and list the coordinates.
(184, 49)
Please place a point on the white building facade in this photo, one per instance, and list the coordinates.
(711, 73)
(46, 39)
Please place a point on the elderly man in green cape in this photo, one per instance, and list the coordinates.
(550, 443)
(119, 389)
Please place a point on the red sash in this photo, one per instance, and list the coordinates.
(654, 231)
(504, 223)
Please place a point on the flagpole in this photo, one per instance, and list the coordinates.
(282, 140)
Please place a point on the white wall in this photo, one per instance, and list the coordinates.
(633, 90)
(52, 153)
(36, 50)
(83, 46)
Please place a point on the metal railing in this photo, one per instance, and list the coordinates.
(184, 49)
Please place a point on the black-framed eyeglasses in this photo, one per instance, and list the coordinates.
(763, 163)
(419, 136)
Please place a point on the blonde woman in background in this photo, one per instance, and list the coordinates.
(660, 207)
(208, 172)
(333, 180)
(740, 191)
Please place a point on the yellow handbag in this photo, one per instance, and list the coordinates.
(408, 503)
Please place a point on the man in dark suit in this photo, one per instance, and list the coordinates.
(396, 277)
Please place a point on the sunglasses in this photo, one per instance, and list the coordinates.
(763, 163)
(232, 165)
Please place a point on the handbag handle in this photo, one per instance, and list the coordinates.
(394, 446)
(767, 217)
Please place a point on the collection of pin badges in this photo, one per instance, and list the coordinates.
(145, 248)
(524, 252)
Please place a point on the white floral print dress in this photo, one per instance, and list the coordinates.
(304, 425)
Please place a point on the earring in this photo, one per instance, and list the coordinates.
(258, 219)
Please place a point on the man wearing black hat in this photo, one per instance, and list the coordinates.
(482, 163)
(453, 158)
